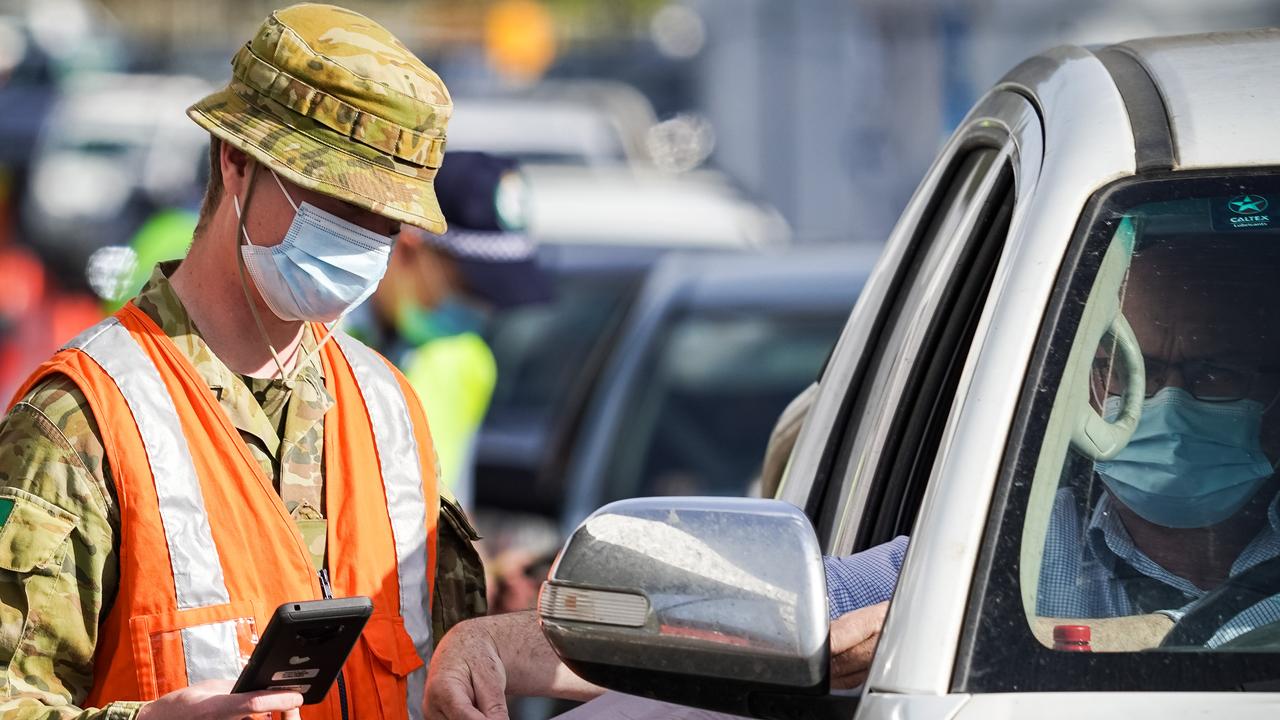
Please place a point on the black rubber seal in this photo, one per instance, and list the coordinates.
(1148, 116)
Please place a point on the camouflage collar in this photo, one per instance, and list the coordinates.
(159, 301)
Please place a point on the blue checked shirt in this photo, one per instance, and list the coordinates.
(1083, 566)
(864, 578)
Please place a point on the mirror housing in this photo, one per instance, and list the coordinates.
(718, 603)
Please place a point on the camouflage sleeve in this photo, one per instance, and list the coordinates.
(460, 584)
(58, 563)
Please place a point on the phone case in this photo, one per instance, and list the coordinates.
(304, 647)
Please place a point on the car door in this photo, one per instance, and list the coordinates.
(915, 409)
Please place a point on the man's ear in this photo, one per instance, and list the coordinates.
(234, 166)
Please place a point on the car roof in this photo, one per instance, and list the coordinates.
(1194, 101)
(117, 100)
(810, 277)
(523, 126)
(590, 121)
(1217, 90)
(602, 258)
(632, 206)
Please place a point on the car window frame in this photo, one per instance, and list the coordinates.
(886, 401)
(986, 664)
(997, 121)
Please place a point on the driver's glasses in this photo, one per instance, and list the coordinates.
(1207, 380)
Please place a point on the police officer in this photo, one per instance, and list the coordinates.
(430, 311)
(212, 450)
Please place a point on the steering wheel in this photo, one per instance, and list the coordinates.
(1265, 637)
(1226, 601)
(1093, 436)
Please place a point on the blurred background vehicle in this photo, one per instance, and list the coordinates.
(44, 46)
(713, 348)
(598, 235)
(713, 351)
(43, 43)
(557, 122)
(115, 150)
(628, 206)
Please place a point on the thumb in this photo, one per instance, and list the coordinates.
(853, 644)
(851, 629)
(262, 701)
(491, 699)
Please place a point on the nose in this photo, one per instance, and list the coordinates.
(1173, 376)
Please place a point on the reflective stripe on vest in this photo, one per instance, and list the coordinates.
(211, 650)
(406, 503)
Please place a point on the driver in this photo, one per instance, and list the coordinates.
(1191, 501)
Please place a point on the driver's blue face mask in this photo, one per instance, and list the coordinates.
(1190, 463)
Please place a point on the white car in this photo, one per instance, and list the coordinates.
(1061, 382)
(578, 122)
(648, 208)
(113, 142)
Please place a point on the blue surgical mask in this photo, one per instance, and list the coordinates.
(1190, 463)
(324, 266)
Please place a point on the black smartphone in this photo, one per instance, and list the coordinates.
(304, 647)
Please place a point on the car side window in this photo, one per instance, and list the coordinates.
(899, 412)
(1135, 540)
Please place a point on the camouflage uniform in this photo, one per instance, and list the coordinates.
(332, 102)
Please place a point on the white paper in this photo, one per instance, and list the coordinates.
(617, 706)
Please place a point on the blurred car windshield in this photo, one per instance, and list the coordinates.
(541, 349)
(700, 411)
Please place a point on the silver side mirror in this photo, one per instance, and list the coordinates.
(713, 602)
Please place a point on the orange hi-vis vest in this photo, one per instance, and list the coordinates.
(207, 550)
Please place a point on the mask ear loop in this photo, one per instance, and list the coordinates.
(284, 192)
(244, 281)
(1100, 401)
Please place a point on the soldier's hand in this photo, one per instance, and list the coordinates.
(467, 680)
(853, 643)
(212, 700)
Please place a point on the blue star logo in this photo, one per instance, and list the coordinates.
(1247, 204)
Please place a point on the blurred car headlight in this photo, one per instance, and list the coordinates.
(110, 272)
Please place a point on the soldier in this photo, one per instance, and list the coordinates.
(212, 451)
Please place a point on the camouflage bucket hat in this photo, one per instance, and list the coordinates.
(333, 102)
